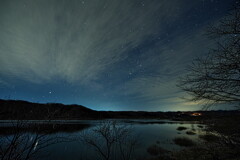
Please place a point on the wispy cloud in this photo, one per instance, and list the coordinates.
(158, 86)
(75, 40)
(93, 44)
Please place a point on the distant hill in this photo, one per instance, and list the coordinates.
(17, 109)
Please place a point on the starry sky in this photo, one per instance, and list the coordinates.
(103, 54)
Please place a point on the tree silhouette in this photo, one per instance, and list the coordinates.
(19, 144)
(111, 141)
(215, 78)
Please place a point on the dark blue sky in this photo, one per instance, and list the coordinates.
(106, 55)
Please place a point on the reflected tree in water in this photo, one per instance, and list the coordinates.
(111, 141)
(25, 141)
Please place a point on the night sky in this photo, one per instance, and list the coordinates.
(103, 54)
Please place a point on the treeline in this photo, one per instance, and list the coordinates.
(23, 110)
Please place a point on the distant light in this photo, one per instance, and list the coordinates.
(196, 114)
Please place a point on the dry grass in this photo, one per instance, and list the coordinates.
(209, 137)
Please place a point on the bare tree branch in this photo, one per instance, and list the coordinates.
(216, 78)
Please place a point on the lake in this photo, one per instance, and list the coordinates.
(64, 140)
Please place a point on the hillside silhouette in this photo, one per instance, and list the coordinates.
(24, 110)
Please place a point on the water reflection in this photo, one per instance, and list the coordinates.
(42, 128)
(124, 139)
(17, 143)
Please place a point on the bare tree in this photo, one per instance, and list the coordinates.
(24, 140)
(111, 141)
(216, 78)
(18, 144)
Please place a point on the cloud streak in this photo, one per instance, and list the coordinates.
(132, 50)
(76, 40)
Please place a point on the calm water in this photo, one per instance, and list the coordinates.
(67, 142)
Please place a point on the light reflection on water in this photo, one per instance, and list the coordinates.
(148, 132)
